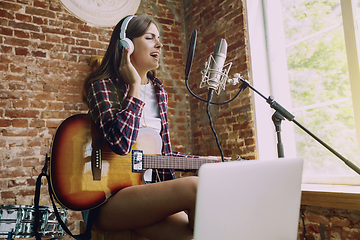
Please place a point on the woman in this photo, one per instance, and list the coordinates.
(113, 93)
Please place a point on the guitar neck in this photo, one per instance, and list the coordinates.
(155, 162)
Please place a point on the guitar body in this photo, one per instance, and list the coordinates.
(71, 173)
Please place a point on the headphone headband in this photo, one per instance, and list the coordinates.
(124, 26)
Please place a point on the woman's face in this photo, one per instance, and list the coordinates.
(147, 49)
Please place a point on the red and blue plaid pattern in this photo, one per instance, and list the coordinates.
(117, 115)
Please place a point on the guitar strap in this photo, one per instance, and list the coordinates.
(84, 236)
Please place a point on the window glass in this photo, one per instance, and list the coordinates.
(319, 84)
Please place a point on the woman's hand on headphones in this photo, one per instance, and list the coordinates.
(129, 74)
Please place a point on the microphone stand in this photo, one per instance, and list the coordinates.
(189, 60)
(281, 113)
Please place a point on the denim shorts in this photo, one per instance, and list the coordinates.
(85, 215)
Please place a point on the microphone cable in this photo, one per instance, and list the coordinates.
(189, 60)
(211, 91)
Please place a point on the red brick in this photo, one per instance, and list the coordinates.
(51, 88)
(3, 67)
(41, 4)
(47, 46)
(21, 34)
(84, 28)
(25, 26)
(22, 51)
(20, 103)
(70, 25)
(37, 104)
(37, 123)
(82, 42)
(21, 113)
(56, 106)
(52, 123)
(39, 54)
(17, 42)
(53, 38)
(5, 122)
(96, 44)
(7, 194)
(6, 31)
(10, 6)
(6, 59)
(5, 49)
(61, 48)
(6, 14)
(23, 123)
(40, 20)
(39, 36)
(4, 94)
(40, 12)
(17, 69)
(23, 17)
(31, 182)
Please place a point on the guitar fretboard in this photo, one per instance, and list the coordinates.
(154, 161)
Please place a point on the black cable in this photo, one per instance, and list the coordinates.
(210, 94)
(303, 221)
(188, 88)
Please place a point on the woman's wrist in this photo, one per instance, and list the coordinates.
(134, 90)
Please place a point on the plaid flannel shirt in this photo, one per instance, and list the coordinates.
(117, 116)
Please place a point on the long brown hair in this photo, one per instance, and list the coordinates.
(109, 67)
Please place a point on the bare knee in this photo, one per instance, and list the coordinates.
(192, 184)
(188, 186)
(187, 196)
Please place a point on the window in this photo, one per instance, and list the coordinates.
(305, 54)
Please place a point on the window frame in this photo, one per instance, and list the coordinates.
(264, 47)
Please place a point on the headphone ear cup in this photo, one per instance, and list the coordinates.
(127, 43)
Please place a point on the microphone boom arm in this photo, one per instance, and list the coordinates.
(273, 104)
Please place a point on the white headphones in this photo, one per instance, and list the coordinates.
(124, 41)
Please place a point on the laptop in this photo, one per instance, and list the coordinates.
(249, 200)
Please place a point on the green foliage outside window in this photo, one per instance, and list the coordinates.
(319, 82)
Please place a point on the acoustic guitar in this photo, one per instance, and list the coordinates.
(84, 172)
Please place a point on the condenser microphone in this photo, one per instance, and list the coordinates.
(216, 66)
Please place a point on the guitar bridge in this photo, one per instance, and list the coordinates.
(137, 161)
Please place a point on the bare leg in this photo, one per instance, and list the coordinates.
(153, 210)
(171, 228)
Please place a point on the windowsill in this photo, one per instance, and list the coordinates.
(331, 196)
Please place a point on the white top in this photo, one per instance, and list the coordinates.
(150, 117)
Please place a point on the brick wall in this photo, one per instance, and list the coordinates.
(45, 52)
(329, 223)
(234, 122)
(44, 58)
